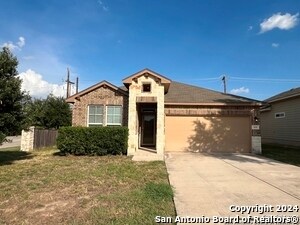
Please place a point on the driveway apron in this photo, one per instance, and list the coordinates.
(208, 184)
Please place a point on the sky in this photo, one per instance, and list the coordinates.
(255, 44)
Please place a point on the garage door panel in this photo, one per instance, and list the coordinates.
(207, 134)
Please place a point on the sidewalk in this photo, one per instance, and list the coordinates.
(15, 142)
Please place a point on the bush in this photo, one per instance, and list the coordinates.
(92, 140)
(2, 138)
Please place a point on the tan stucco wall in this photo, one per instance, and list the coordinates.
(208, 134)
(103, 96)
(285, 130)
(135, 90)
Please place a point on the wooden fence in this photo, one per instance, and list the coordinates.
(44, 138)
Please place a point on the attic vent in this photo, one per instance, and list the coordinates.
(146, 87)
(279, 115)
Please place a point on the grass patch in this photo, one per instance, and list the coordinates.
(9, 155)
(51, 189)
(282, 153)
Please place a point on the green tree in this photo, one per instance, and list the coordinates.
(11, 96)
(52, 112)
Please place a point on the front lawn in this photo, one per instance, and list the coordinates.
(45, 188)
(282, 153)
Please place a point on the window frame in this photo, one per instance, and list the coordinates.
(88, 116)
(121, 115)
(144, 85)
(279, 115)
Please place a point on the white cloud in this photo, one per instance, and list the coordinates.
(102, 5)
(46, 62)
(21, 42)
(37, 87)
(44, 55)
(275, 45)
(10, 45)
(15, 46)
(280, 21)
(241, 90)
(250, 28)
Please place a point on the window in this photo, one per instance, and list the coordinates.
(146, 87)
(279, 115)
(114, 115)
(95, 117)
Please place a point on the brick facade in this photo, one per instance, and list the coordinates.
(183, 101)
(103, 95)
(171, 110)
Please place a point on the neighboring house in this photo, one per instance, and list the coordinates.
(164, 115)
(280, 118)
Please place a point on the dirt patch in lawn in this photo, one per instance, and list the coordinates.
(49, 189)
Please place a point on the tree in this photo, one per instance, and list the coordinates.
(11, 96)
(52, 112)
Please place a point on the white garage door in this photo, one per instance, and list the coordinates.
(207, 134)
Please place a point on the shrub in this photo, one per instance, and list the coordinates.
(92, 140)
(2, 138)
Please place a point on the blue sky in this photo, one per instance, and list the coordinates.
(256, 44)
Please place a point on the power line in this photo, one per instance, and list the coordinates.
(204, 79)
(265, 79)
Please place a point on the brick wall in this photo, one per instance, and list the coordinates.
(209, 110)
(102, 96)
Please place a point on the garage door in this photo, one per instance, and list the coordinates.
(207, 134)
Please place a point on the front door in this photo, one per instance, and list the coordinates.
(148, 129)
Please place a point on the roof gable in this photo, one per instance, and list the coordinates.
(103, 83)
(147, 72)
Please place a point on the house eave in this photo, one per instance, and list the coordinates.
(284, 98)
(266, 109)
(104, 83)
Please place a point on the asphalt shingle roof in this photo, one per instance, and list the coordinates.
(285, 94)
(185, 93)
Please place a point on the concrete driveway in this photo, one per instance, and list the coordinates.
(208, 184)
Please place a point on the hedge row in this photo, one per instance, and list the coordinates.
(92, 140)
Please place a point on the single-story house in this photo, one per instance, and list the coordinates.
(165, 115)
(280, 119)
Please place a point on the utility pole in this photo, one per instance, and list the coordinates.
(77, 81)
(68, 83)
(224, 83)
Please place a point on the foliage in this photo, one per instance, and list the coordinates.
(52, 112)
(92, 140)
(2, 138)
(11, 96)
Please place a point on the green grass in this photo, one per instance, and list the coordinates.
(45, 187)
(9, 155)
(282, 153)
